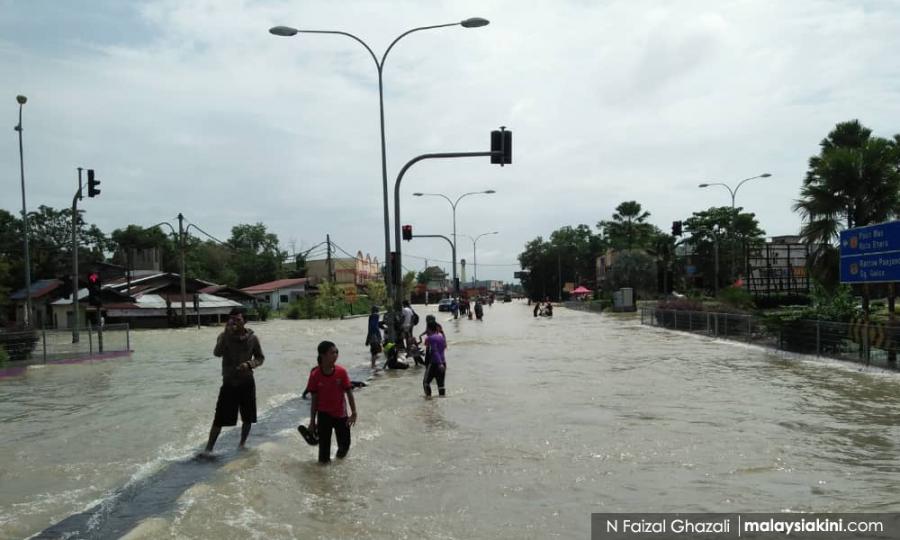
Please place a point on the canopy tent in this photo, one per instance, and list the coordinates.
(581, 290)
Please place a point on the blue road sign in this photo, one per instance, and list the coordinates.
(873, 268)
(881, 238)
(871, 254)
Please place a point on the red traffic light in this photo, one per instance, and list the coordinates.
(407, 232)
(94, 277)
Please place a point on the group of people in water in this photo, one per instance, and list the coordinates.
(463, 306)
(328, 383)
(543, 309)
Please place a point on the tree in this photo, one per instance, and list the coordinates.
(628, 228)
(633, 268)
(854, 181)
(714, 226)
(377, 292)
(255, 256)
(569, 256)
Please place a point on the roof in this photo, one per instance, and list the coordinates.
(275, 285)
(39, 288)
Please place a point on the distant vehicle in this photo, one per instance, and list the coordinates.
(444, 304)
(507, 298)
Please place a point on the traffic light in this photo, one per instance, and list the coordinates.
(94, 287)
(501, 146)
(196, 302)
(676, 228)
(92, 184)
(407, 232)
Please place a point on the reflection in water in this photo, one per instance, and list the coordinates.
(546, 421)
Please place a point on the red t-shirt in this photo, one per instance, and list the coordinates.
(329, 390)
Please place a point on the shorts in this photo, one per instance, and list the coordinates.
(233, 398)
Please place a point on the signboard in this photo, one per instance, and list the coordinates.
(871, 254)
(350, 295)
(520, 275)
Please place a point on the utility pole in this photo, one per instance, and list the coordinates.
(75, 199)
(183, 283)
(330, 277)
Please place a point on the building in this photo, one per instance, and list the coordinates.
(279, 293)
(357, 270)
(43, 293)
(146, 299)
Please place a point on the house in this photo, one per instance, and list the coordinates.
(245, 299)
(43, 293)
(146, 299)
(357, 270)
(280, 292)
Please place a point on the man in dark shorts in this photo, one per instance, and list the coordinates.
(241, 354)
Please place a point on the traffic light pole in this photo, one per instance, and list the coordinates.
(75, 305)
(452, 250)
(405, 168)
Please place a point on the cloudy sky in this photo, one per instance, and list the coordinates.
(192, 106)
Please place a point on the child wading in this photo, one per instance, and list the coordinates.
(436, 368)
(328, 384)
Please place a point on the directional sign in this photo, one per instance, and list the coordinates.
(871, 254)
(880, 238)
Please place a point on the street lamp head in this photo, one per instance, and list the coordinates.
(285, 31)
(474, 22)
(418, 194)
(765, 175)
(21, 99)
(703, 185)
(490, 191)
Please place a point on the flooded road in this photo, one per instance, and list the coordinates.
(545, 422)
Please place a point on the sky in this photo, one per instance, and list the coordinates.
(194, 107)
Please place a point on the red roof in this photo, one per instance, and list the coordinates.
(274, 285)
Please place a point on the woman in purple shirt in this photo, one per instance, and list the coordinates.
(435, 345)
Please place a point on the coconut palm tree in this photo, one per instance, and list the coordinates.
(628, 229)
(854, 181)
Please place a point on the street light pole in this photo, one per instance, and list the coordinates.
(27, 315)
(733, 193)
(453, 205)
(473, 22)
(475, 253)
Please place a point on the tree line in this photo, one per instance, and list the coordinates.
(250, 255)
(853, 181)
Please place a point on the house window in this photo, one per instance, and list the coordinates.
(284, 298)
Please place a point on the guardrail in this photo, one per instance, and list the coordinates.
(48, 346)
(863, 342)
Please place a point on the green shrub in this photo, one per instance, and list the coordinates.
(4, 358)
(263, 311)
(737, 297)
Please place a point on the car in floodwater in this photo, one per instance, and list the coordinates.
(444, 304)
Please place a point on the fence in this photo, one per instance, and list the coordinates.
(868, 343)
(43, 346)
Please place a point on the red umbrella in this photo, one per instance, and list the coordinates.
(581, 290)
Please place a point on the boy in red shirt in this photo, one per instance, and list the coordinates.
(329, 383)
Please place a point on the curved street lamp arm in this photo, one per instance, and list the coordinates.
(404, 34)
(349, 35)
(466, 195)
(440, 195)
(164, 223)
(742, 183)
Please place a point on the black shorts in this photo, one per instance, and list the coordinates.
(233, 398)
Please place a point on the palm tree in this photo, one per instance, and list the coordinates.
(628, 229)
(854, 181)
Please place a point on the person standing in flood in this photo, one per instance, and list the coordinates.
(241, 353)
(436, 363)
(329, 383)
(373, 336)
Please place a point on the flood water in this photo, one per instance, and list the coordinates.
(546, 421)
